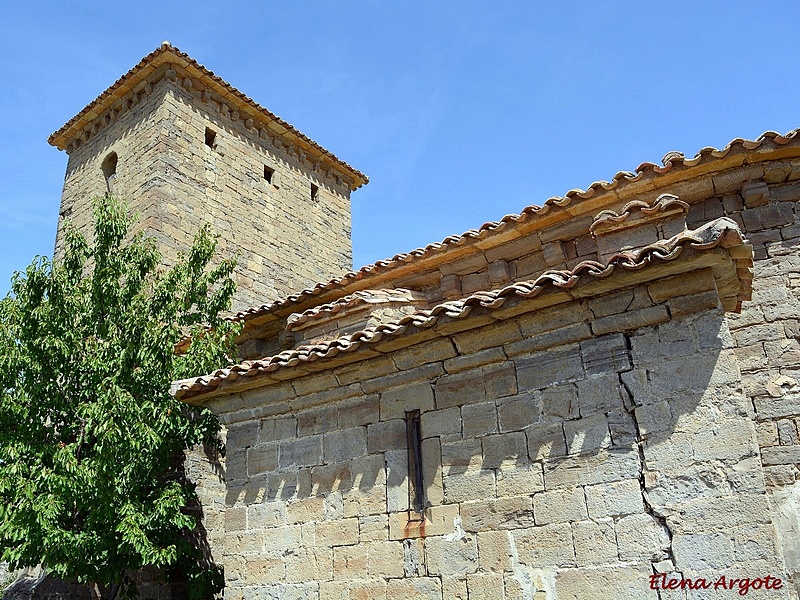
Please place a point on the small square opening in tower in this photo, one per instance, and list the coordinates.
(211, 137)
(314, 192)
(268, 172)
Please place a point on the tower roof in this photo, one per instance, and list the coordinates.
(112, 101)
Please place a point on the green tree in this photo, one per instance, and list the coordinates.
(91, 439)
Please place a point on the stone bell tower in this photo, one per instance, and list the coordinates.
(183, 147)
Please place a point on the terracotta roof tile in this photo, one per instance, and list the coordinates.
(663, 203)
(672, 161)
(360, 297)
(722, 233)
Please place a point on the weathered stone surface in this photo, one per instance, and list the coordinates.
(547, 546)
(300, 452)
(502, 513)
(452, 556)
(559, 506)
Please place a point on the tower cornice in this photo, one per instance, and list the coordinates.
(137, 83)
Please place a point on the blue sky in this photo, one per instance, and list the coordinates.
(460, 112)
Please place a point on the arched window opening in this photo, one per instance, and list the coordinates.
(110, 171)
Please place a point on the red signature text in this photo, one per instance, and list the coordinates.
(662, 581)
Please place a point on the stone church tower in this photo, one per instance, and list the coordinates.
(184, 147)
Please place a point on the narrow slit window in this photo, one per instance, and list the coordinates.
(211, 138)
(416, 495)
(109, 167)
(314, 192)
(268, 173)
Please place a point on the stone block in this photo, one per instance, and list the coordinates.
(546, 440)
(354, 589)
(266, 514)
(262, 458)
(459, 487)
(542, 369)
(432, 471)
(457, 456)
(479, 419)
(455, 587)
(320, 419)
(360, 411)
(614, 499)
(501, 513)
(397, 492)
(587, 434)
(414, 557)
(385, 559)
(236, 519)
(547, 546)
(242, 436)
(606, 354)
(506, 448)
(697, 552)
(433, 351)
(631, 320)
(373, 528)
(601, 394)
(350, 562)
(417, 588)
(396, 402)
(477, 359)
(517, 480)
(499, 380)
(277, 428)
(595, 542)
(333, 506)
(462, 388)
(344, 444)
(426, 372)
(300, 452)
(552, 318)
(549, 339)
(450, 555)
(326, 478)
(305, 510)
(472, 341)
(603, 467)
(437, 520)
(519, 412)
(781, 455)
(641, 537)
(386, 435)
(340, 532)
(484, 586)
(559, 401)
(494, 551)
(368, 369)
(445, 424)
(559, 506)
(307, 566)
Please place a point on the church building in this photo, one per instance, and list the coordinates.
(597, 398)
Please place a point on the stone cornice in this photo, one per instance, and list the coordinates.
(135, 85)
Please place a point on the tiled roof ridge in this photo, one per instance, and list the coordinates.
(167, 48)
(358, 297)
(670, 161)
(722, 232)
(663, 203)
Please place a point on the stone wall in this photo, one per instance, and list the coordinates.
(254, 189)
(568, 452)
(766, 332)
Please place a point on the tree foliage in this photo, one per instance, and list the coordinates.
(90, 436)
